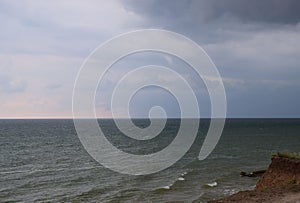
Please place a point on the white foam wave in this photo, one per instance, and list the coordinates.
(181, 178)
(214, 184)
(184, 173)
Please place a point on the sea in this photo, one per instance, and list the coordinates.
(43, 160)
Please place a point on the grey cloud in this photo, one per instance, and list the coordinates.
(253, 43)
(54, 86)
(201, 11)
(260, 100)
(8, 85)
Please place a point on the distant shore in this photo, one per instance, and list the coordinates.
(280, 183)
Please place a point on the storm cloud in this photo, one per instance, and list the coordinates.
(203, 11)
(254, 44)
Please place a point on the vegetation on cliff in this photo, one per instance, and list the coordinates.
(283, 170)
(280, 183)
(292, 155)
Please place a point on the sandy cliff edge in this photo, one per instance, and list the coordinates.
(280, 183)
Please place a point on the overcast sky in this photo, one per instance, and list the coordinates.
(254, 44)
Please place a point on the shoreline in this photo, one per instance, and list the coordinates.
(286, 194)
(280, 183)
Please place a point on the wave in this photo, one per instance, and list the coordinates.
(213, 184)
(181, 178)
(37, 170)
(14, 172)
(169, 187)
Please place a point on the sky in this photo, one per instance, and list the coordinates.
(254, 44)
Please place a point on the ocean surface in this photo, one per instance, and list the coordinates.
(44, 161)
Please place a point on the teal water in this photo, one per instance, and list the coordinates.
(44, 161)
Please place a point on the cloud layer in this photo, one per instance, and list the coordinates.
(254, 44)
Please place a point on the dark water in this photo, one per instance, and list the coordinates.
(44, 161)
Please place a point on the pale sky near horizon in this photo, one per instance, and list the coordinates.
(254, 44)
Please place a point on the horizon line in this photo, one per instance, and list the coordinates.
(71, 118)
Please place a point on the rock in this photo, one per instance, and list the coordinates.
(282, 171)
(280, 184)
(253, 174)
